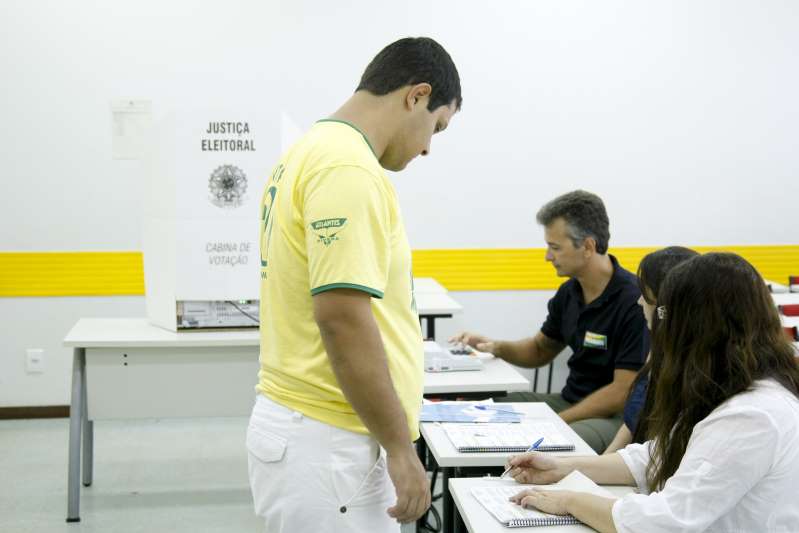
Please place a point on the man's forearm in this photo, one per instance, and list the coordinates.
(604, 402)
(358, 359)
(524, 353)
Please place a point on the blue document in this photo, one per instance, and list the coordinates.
(469, 412)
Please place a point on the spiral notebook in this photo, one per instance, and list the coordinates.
(496, 501)
(489, 437)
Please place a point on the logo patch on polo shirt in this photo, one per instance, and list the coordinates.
(595, 340)
(327, 230)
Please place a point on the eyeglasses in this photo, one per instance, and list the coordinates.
(661, 312)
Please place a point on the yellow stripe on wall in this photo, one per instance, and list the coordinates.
(526, 269)
(71, 273)
(122, 273)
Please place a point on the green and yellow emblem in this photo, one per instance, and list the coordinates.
(327, 230)
(595, 340)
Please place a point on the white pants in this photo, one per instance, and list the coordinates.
(304, 473)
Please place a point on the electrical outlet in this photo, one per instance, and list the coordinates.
(34, 360)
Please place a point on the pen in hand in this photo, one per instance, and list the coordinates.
(535, 445)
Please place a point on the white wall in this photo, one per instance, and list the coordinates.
(682, 115)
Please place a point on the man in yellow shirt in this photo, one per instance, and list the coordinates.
(330, 440)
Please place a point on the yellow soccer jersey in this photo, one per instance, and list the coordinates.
(330, 219)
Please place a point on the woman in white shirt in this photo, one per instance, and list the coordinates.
(723, 448)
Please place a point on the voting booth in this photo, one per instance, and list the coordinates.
(205, 172)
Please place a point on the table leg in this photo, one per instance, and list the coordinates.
(421, 451)
(88, 440)
(75, 420)
(458, 526)
(431, 324)
(431, 328)
(448, 520)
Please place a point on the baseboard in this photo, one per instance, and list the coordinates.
(45, 411)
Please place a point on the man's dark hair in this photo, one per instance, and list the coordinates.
(584, 214)
(410, 61)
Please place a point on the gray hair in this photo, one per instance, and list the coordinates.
(584, 214)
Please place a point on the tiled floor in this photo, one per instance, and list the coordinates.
(187, 475)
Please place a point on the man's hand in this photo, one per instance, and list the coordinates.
(478, 342)
(537, 468)
(355, 349)
(410, 482)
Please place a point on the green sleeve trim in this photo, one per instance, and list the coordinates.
(374, 292)
(353, 127)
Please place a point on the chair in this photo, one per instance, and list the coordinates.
(549, 378)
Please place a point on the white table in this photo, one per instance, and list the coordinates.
(428, 286)
(126, 368)
(791, 321)
(479, 520)
(785, 298)
(790, 298)
(776, 288)
(432, 302)
(496, 377)
(137, 370)
(448, 458)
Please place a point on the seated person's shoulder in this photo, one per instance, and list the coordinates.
(767, 401)
(629, 284)
(627, 298)
(567, 290)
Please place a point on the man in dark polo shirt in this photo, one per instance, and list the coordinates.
(595, 313)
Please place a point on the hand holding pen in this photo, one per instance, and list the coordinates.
(538, 468)
(535, 445)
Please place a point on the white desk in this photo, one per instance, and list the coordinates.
(137, 370)
(497, 376)
(478, 520)
(789, 298)
(428, 286)
(448, 458)
(791, 321)
(776, 288)
(786, 298)
(127, 368)
(432, 302)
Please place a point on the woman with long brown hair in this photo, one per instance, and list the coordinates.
(723, 448)
(652, 271)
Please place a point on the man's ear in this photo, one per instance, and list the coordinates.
(590, 246)
(418, 93)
